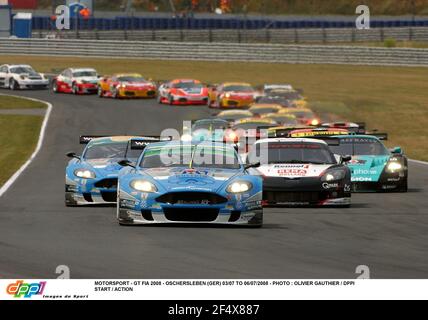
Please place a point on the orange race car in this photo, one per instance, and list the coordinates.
(126, 86)
(232, 95)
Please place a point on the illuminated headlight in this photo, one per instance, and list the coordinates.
(333, 175)
(394, 166)
(227, 95)
(315, 122)
(239, 187)
(143, 186)
(186, 138)
(84, 173)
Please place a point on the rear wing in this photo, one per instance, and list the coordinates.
(86, 139)
(285, 133)
(142, 142)
(331, 141)
(380, 136)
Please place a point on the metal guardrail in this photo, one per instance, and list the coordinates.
(272, 53)
(283, 36)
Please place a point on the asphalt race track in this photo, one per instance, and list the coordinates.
(386, 232)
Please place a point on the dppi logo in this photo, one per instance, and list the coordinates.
(27, 290)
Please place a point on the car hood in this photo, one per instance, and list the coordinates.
(88, 79)
(293, 171)
(185, 179)
(191, 90)
(104, 166)
(370, 167)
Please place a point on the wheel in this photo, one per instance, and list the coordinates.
(13, 85)
(55, 86)
(170, 100)
(115, 94)
(100, 92)
(403, 187)
(159, 99)
(74, 89)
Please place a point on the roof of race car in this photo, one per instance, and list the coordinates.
(257, 106)
(278, 115)
(295, 110)
(81, 69)
(231, 112)
(254, 120)
(291, 140)
(18, 65)
(173, 144)
(185, 81)
(118, 75)
(210, 121)
(119, 139)
(360, 136)
(226, 84)
(305, 132)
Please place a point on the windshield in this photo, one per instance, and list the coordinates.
(22, 70)
(131, 79)
(286, 152)
(81, 74)
(253, 125)
(238, 88)
(114, 150)
(187, 85)
(360, 147)
(264, 110)
(234, 116)
(201, 156)
(290, 95)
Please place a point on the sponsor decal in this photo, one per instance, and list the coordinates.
(327, 185)
(361, 179)
(20, 289)
(393, 179)
(357, 161)
(364, 171)
(347, 188)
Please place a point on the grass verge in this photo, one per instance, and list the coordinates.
(391, 99)
(17, 103)
(18, 139)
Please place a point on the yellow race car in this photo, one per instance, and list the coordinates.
(284, 119)
(305, 116)
(126, 86)
(232, 95)
(259, 109)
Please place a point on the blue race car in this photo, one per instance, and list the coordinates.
(193, 182)
(373, 166)
(92, 177)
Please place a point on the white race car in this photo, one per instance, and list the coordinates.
(22, 76)
(301, 172)
(76, 81)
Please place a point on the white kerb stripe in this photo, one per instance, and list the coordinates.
(12, 179)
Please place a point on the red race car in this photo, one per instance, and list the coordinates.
(183, 92)
(76, 81)
(126, 86)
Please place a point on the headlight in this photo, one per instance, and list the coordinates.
(84, 173)
(143, 186)
(394, 167)
(315, 122)
(239, 187)
(227, 95)
(333, 175)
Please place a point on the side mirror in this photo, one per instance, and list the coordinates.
(346, 159)
(397, 150)
(72, 155)
(126, 163)
(252, 165)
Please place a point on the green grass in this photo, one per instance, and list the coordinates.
(391, 99)
(18, 138)
(17, 103)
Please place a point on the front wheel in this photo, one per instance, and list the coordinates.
(55, 86)
(75, 89)
(171, 100)
(13, 85)
(403, 187)
(100, 92)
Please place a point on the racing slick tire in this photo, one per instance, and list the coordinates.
(170, 100)
(115, 94)
(403, 187)
(100, 92)
(55, 87)
(159, 99)
(13, 85)
(74, 89)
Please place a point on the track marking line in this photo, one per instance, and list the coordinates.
(17, 174)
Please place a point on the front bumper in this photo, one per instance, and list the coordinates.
(33, 84)
(87, 88)
(305, 192)
(190, 100)
(135, 93)
(132, 211)
(91, 192)
(387, 182)
(235, 103)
